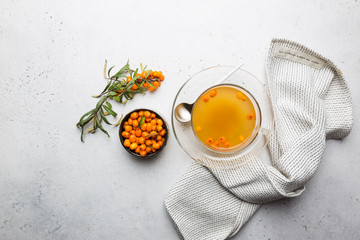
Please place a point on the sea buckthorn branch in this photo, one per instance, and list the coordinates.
(123, 84)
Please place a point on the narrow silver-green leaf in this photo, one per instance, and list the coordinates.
(103, 117)
(110, 111)
(108, 104)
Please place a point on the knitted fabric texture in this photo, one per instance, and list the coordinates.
(310, 105)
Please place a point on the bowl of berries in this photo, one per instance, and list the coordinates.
(143, 133)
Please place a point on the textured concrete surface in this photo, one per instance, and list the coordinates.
(52, 186)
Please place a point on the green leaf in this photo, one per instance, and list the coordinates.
(86, 114)
(102, 100)
(117, 98)
(150, 84)
(121, 71)
(109, 105)
(142, 120)
(85, 121)
(103, 117)
(110, 111)
(139, 90)
(142, 68)
(112, 94)
(82, 134)
(101, 128)
(107, 87)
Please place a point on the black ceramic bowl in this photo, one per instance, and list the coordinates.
(122, 139)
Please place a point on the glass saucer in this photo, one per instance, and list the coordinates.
(204, 80)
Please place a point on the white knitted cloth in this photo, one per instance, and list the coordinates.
(311, 103)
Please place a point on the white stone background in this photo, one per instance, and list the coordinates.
(52, 186)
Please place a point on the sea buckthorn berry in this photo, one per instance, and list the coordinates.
(135, 123)
(217, 144)
(157, 74)
(153, 122)
(161, 78)
(241, 138)
(198, 129)
(241, 96)
(206, 98)
(153, 128)
(132, 132)
(143, 74)
(125, 134)
(133, 146)
(143, 127)
(250, 116)
(132, 138)
(156, 84)
(127, 128)
(159, 128)
(141, 140)
(160, 143)
(126, 123)
(127, 143)
(226, 144)
(148, 120)
(151, 73)
(153, 150)
(134, 115)
(146, 85)
(151, 89)
(145, 134)
(162, 133)
(138, 132)
(153, 133)
(148, 142)
(142, 147)
(143, 153)
(149, 127)
(134, 87)
(210, 140)
(147, 114)
(128, 79)
(156, 146)
(141, 113)
(138, 75)
(130, 121)
(212, 93)
(137, 150)
(158, 138)
(148, 149)
(153, 115)
(222, 139)
(159, 122)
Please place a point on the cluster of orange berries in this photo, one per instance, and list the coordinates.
(218, 143)
(143, 132)
(156, 77)
(221, 142)
(212, 94)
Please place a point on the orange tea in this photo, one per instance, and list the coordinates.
(224, 117)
